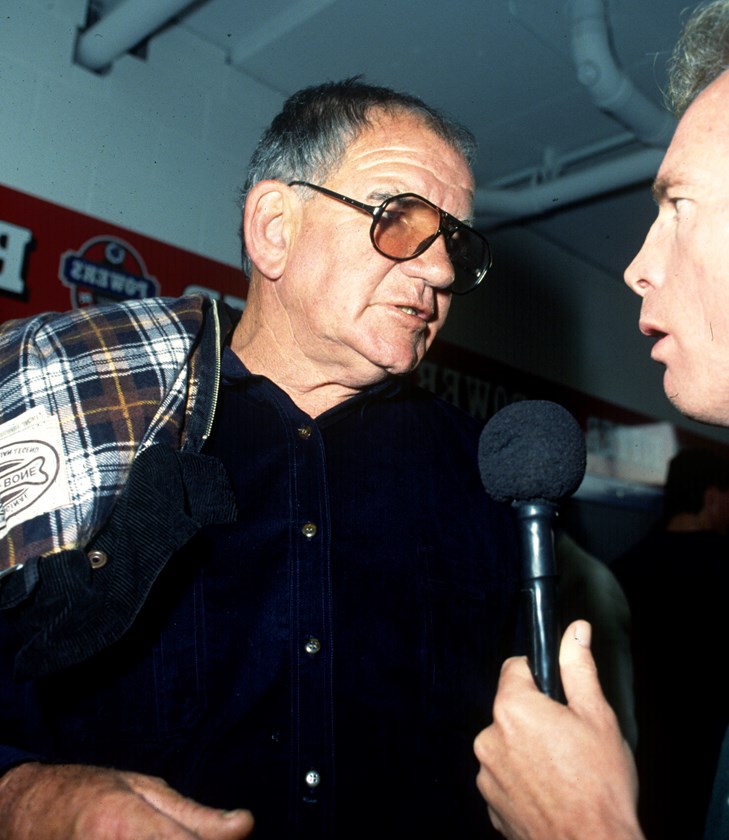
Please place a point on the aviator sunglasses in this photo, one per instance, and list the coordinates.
(406, 225)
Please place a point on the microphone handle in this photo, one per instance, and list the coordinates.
(539, 580)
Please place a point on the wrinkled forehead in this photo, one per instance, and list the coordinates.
(405, 142)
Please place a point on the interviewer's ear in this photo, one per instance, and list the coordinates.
(268, 224)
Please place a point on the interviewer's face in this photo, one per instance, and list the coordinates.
(353, 309)
(682, 270)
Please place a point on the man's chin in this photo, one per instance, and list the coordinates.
(399, 361)
(700, 412)
(404, 366)
(676, 399)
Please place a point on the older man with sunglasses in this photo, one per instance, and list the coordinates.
(268, 573)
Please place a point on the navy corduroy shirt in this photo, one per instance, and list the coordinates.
(327, 659)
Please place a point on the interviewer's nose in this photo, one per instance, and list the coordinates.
(632, 277)
(645, 271)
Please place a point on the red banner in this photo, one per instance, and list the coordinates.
(54, 258)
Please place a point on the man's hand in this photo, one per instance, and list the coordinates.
(556, 772)
(72, 802)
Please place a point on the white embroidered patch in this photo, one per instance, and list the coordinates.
(32, 475)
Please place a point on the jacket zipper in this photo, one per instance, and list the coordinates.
(216, 387)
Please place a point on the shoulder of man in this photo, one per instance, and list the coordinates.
(79, 393)
(446, 411)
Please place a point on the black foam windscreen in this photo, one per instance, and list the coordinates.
(532, 450)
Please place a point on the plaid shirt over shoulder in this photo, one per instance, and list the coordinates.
(97, 386)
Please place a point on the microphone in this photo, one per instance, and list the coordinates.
(533, 454)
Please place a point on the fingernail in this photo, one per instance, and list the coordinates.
(583, 634)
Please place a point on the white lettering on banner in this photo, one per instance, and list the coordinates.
(450, 380)
(478, 397)
(94, 276)
(14, 242)
(484, 398)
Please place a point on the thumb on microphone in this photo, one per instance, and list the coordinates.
(577, 666)
(580, 679)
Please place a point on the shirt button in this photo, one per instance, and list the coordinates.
(313, 779)
(97, 559)
(308, 530)
(312, 646)
(304, 432)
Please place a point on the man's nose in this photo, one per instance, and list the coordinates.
(434, 266)
(632, 276)
(644, 272)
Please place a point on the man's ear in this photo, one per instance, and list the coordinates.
(268, 226)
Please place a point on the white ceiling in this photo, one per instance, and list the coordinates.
(503, 67)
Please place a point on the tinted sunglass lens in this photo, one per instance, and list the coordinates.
(406, 227)
(468, 255)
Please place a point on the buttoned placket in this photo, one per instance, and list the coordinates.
(312, 712)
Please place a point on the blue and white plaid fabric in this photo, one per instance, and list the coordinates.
(114, 379)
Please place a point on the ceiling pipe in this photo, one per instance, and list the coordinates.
(613, 92)
(568, 189)
(611, 89)
(128, 23)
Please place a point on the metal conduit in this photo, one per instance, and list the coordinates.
(611, 89)
(613, 92)
(128, 23)
(568, 189)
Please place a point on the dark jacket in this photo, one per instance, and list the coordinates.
(132, 390)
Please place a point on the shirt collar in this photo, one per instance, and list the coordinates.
(234, 372)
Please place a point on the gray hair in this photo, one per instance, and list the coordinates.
(700, 56)
(309, 138)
